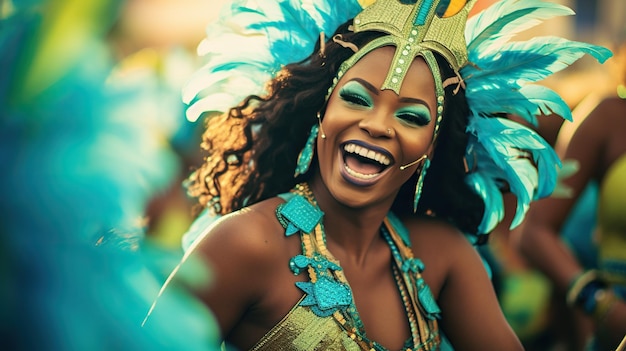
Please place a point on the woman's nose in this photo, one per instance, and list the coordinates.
(377, 123)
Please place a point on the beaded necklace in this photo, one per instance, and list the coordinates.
(328, 291)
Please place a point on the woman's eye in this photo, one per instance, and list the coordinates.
(355, 99)
(415, 118)
(356, 94)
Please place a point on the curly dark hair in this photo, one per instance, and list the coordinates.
(253, 149)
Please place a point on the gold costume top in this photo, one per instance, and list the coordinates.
(611, 229)
(326, 318)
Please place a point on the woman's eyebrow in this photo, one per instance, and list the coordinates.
(367, 85)
(414, 101)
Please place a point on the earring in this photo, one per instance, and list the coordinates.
(306, 155)
(319, 121)
(420, 183)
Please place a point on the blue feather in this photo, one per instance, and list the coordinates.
(533, 60)
(255, 39)
(498, 97)
(506, 150)
(496, 83)
(547, 101)
(325, 13)
(527, 102)
(492, 197)
(501, 21)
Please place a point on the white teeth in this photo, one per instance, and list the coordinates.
(371, 154)
(359, 175)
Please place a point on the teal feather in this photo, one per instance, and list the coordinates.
(527, 102)
(533, 60)
(547, 101)
(251, 41)
(496, 80)
(497, 97)
(501, 21)
(499, 80)
(497, 84)
(507, 151)
(494, 204)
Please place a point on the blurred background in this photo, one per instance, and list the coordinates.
(95, 147)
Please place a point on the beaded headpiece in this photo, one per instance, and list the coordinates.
(414, 28)
(497, 73)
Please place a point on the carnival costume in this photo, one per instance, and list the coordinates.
(496, 75)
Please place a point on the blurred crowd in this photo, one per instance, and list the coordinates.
(95, 148)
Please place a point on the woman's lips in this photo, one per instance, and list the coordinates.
(363, 164)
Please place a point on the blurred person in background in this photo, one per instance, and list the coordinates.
(586, 263)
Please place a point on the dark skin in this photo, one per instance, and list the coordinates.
(262, 299)
(248, 252)
(597, 143)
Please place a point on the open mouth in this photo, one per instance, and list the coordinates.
(365, 162)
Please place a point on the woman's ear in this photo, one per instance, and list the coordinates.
(430, 152)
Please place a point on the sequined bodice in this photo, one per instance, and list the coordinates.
(326, 317)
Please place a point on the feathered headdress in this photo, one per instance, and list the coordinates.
(499, 80)
(252, 40)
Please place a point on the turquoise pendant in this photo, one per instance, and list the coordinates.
(306, 155)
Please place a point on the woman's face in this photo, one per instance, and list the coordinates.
(370, 133)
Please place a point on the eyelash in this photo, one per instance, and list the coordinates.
(413, 119)
(355, 99)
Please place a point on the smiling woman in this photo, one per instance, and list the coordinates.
(391, 128)
(361, 115)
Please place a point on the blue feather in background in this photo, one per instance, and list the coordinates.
(81, 161)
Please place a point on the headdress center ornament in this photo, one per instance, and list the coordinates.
(414, 27)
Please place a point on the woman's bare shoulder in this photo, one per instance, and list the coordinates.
(243, 252)
(252, 233)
